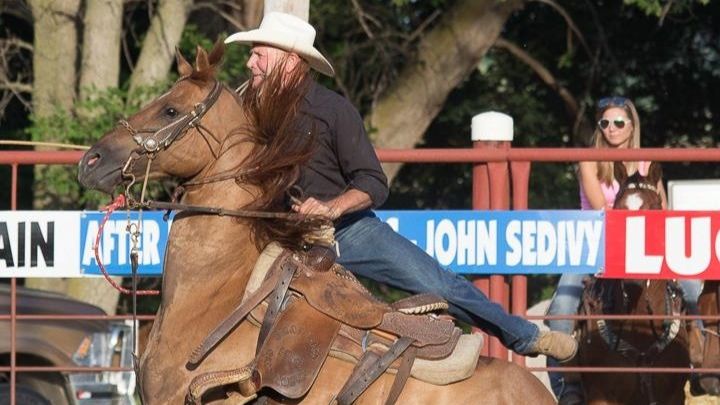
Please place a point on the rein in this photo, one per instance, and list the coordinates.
(201, 209)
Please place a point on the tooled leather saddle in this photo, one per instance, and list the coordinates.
(309, 307)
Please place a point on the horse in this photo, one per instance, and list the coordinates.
(633, 343)
(709, 304)
(220, 146)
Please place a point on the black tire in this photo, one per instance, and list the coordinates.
(49, 385)
(23, 395)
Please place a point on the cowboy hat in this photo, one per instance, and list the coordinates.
(289, 33)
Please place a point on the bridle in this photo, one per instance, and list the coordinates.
(160, 139)
(639, 186)
(615, 342)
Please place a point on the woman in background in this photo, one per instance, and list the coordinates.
(618, 126)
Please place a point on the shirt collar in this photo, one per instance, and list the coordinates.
(311, 97)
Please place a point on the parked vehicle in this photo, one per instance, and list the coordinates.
(65, 343)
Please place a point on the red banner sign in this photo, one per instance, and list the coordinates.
(662, 244)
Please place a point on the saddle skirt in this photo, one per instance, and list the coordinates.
(444, 354)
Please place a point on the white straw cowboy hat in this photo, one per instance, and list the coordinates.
(289, 33)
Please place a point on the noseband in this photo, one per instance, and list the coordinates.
(636, 187)
(643, 186)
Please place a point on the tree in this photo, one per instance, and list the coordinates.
(445, 56)
(158, 51)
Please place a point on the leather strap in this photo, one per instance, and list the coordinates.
(367, 371)
(403, 373)
(287, 271)
(239, 313)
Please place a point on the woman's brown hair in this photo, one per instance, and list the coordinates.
(605, 169)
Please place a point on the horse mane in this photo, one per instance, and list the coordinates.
(279, 152)
(279, 147)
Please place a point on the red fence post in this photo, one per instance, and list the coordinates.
(494, 130)
(520, 173)
(481, 201)
(13, 296)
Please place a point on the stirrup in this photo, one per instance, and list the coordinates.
(202, 383)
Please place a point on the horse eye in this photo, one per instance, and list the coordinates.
(171, 112)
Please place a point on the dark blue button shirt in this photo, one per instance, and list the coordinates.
(344, 157)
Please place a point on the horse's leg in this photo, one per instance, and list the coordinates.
(165, 378)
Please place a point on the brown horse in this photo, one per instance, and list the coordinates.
(709, 304)
(634, 343)
(209, 257)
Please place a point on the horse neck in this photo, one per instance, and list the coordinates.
(208, 254)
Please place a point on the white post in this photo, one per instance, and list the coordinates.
(492, 126)
(298, 8)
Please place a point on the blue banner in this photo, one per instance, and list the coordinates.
(506, 242)
(468, 242)
(115, 242)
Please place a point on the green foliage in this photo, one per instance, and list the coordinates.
(98, 114)
(233, 69)
(657, 8)
(95, 116)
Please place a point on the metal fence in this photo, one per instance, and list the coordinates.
(500, 181)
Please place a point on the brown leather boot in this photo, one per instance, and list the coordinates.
(558, 345)
(696, 339)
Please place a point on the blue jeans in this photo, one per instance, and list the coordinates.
(566, 302)
(370, 248)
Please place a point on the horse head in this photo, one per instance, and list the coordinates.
(168, 131)
(638, 192)
(208, 136)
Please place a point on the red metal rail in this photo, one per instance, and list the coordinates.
(493, 162)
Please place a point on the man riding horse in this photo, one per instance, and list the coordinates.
(344, 180)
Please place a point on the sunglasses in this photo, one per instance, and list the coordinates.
(618, 122)
(612, 101)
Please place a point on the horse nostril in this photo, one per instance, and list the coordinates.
(93, 159)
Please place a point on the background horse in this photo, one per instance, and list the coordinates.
(709, 304)
(635, 343)
(238, 155)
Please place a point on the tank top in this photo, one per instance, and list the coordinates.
(609, 191)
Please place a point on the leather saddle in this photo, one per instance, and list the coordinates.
(308, 307)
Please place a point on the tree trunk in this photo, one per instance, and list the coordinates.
(250, 14)
(54, 75)
(100, 67)
(54, 87)
(446, 55)
(158, 50)
(55, 55)
(299, 8)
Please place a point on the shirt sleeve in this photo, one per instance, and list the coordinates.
(356, 155)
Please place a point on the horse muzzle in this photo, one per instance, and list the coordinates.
(97, 172)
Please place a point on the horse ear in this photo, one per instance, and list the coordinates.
(654, 173)
(201, 60)
(217, 52)
(620, 172)
(184, 67)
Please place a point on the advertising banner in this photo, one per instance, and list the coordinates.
(506, 242)
(61, 243)
(662, 244)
